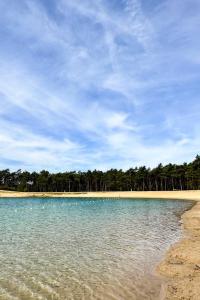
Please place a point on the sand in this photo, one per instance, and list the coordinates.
(180, 268)
(186, 195)
(181, 265)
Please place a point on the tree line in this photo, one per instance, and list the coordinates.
(162, 178)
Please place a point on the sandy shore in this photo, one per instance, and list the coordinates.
(186, 195)
(181, 266)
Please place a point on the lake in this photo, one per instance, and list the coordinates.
(58, 248)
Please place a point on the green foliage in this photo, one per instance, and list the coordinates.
(168, 177)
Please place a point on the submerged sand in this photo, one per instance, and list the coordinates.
(181, 266)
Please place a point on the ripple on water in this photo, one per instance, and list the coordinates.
(84, 249)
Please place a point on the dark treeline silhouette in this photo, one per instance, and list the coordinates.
(166, 178)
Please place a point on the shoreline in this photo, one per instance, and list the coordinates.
(176, 195)
(180, 267)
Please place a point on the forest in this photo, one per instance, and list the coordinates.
(168, 177)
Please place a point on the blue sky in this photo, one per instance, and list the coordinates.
(100, 84)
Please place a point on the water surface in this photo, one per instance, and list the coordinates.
(84, 249)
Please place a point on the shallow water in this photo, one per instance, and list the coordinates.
(84, 249)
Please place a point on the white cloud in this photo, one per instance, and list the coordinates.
(98, 87)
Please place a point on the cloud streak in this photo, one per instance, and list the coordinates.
(98, 84)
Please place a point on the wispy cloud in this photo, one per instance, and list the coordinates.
(98, 84)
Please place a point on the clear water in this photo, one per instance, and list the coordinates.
(84, 249)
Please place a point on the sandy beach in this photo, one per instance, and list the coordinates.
(185, 195)
(181, 266)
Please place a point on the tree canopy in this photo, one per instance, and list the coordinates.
(168, 177)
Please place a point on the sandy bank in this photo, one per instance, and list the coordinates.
(187, 195)
(181, 265)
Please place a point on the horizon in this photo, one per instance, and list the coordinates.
(98, 85)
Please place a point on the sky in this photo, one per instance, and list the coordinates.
(102, 84)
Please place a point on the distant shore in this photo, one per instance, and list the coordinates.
(185, 195)
(181, 266)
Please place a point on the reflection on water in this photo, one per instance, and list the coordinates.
(84, 249)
